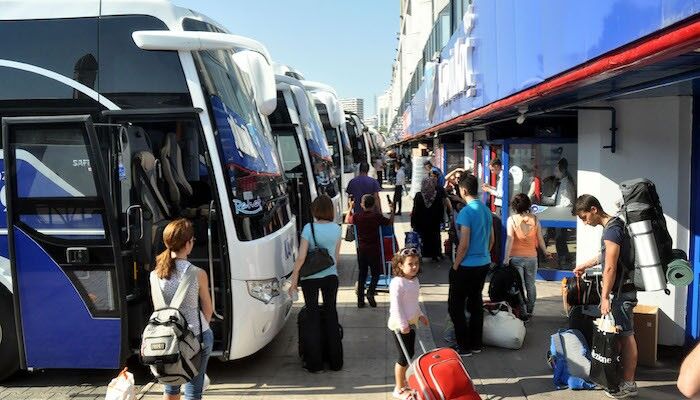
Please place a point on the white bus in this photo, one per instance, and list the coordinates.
(334, 125)
(360, 141)
(117, 117)
(306, 157)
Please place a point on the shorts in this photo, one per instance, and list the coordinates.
(622, 310)
(409, 340)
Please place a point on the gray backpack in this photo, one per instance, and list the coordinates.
(168, 347)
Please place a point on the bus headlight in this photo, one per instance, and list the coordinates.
(264, 290)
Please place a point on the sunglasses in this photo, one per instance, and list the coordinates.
(409, 251)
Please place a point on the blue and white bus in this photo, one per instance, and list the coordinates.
(333, 119)
(306, 157)
(117, 117)
(360, 141)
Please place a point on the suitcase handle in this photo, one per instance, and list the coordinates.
(403, 345)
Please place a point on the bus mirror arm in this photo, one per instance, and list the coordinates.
(128, 222)
(211, 261)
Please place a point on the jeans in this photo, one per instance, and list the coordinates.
(398, 193)
(466, 284)
(194, 388)
(373, 264)
(328, 286)
(527, 267)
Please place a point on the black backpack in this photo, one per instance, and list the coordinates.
(507, 285)
(641, 203)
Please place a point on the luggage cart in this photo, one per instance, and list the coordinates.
(388, 247)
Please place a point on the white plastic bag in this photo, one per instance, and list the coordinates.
(122, 387)
(606, 323)
(502, 328)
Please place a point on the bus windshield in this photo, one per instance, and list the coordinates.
(247, 150)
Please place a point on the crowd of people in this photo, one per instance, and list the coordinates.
(454, 198)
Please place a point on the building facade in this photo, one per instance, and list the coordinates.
(354, 105)
(612, 89)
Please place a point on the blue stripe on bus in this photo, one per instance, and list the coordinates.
(59, 331)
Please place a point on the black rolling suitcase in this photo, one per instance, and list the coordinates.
(320, 340)
(582, 319)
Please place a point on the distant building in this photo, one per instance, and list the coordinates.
(355, 105)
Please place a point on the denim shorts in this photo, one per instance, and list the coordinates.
(622, 310)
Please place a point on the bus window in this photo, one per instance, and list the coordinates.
(332, 138)
(247, 149)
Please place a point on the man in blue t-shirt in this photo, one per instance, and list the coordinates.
(618, 281)
(362, 185)
(470, 267)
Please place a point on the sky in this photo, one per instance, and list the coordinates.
(349, 45)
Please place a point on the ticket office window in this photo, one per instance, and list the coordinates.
(546, 172)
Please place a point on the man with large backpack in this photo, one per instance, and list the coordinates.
(616, 257)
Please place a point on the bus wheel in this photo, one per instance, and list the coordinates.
(9, 362)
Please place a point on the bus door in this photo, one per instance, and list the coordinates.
(63, 244)
(296, 170)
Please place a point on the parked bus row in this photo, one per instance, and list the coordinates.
(120, 116)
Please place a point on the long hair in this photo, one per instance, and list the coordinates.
(175, 236)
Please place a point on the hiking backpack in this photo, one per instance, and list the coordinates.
(652, 245)
(168, 346)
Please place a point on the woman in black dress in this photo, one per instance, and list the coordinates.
(428, 213)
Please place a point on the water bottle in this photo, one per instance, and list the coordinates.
(647, 256)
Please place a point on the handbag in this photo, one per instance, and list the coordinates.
(350, 233)
(317, 259)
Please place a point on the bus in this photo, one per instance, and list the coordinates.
(118, 117)
(360, 141)
(333, 120)
(306, 156)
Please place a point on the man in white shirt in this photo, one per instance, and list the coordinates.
(379, 166)
(400, 182)
(496, 167)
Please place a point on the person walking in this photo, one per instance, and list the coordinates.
(524, 238)
(322, 233)
(362, 185)
(379, 167)
(369, 254)
(427, 216)
(398, 188)
(404, 313)
(470, 267)
(172, 267)
(618, 294)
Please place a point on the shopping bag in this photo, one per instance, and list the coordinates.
(122, 387)
(606, 367)
(350, 233)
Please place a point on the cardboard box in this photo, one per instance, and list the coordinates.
(646, 332)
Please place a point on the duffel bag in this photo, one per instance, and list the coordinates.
(501, 327)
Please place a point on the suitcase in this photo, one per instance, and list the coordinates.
(439, 375)
(581, 318)
(312, 333)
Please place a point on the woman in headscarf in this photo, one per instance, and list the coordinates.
(428, 213)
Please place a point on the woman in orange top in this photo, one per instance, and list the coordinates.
(524, 237)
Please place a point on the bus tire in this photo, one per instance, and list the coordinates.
(9, 362)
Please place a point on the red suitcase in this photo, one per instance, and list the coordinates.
(439, 375)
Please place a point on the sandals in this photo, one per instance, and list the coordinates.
(403, 394)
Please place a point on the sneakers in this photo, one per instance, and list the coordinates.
(476, 351)
(461, 351)
(403, 394)
(627, 389)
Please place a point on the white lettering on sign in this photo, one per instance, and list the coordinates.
(456, 73)
(81, 163)
(249, 207)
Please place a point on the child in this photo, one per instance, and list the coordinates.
(404, 312)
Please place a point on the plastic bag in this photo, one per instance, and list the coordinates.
(606, 367)
(122, 387)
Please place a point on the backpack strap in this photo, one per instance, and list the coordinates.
(156, 292)
(189, 278)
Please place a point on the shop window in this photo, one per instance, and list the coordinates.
(546, 172)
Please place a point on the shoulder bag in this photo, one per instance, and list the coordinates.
(317, 259)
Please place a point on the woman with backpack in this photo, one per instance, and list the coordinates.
(524, 238)
(171, 268)
(323, 233)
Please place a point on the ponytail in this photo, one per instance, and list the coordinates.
(175, 237)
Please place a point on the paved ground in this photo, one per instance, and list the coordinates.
(275, 372)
